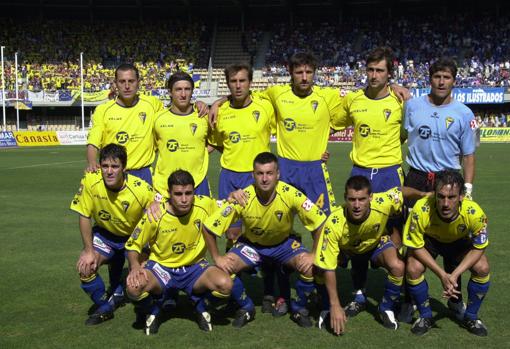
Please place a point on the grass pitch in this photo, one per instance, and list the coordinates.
(44, 307)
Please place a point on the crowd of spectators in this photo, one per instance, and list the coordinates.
(49, 51)
(492, 118)
(477, 44)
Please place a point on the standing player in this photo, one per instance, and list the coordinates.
(116, 201)
(376, 116)
(455, 228)
(439, 133)
(242, 131)
(127, 120)
(268, 218)
(357, 232)
(181, 138)
(177, 259)
(303, 115)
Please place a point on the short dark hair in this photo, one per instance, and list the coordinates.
(180, 177)
(302, 58)
(358, 183)
(236, 68)
(127, 67)
(382, 53)
(443, 64)
(113, 151)
(265, 158)
(449, 177)
(179, 76)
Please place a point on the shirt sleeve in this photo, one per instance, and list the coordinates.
(95, 136)
(82, 202)
(340, 119)
(219, 222)
(414, 230)
(141, 235)
(467, 138)
(328, 248)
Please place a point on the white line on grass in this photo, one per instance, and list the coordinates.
(39, 165)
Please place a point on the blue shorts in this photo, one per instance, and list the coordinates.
(382, 179)
(254, 254)
(182, 278)
(108, 244)
(143, 173)
(231, 181)
(357, 259)
(203, 188)
(310, 177)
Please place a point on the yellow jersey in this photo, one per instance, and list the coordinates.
(182, 144)
(128, 126)
(269, 224)
(117, 212)
(340, 234)
(174, 241)
(423, 220)
(377, 124)
(303, 123)
(243, 133)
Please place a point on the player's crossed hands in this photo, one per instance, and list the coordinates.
(449, 283)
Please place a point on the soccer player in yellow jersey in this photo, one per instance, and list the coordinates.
(116, 202)
(268, 217)
(376, 116)
(303, 116)
(454, 227)
(177, 258)
(243, 130)
(181, 138)
(127, 120)
(357, 232)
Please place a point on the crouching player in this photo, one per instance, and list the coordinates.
(116, 201)
(454, 227)
(357, 232)
(267, 216)
(177, 255)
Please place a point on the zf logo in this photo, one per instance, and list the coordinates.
(234, 137)
(105, 216)
(122, 137)
(424, 132)
(289, 124)
(172, 145)
(178, 248)
(364, 130)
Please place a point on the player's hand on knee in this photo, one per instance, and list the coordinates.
(337, 319)
(137, 278)
(87, 263)
(225, 263)
(304, 263)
